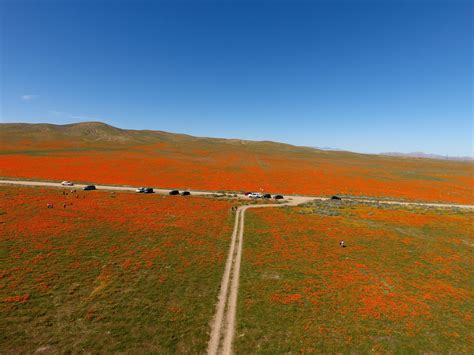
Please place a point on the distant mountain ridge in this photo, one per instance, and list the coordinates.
(102, 133)
(427, 156)
(330, 149)
(407, 155)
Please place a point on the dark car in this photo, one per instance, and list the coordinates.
(278, 197)
(148, 190)
(337, 198)
(267, 196)
(89, 187)
(174, 192)
(185, 193)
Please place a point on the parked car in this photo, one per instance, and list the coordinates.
(267, 196)
(247, 193)
(67, 183)
(89, 187)
(335, 197)
(174, 192)
(148, 190)
(185, 193)
(278, 197)
(140, 190)
(255, 195)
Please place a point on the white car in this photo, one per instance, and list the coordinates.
(255, 195)
(67, 183)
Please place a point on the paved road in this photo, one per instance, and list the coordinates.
(294, 199)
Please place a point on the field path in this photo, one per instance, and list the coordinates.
(223, 323)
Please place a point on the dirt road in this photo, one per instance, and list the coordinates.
(223, 324)
(298, 199)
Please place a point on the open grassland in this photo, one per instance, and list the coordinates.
(404, 283)
(109, 272)
(97, 153)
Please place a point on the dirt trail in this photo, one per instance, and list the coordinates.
(216, 327)
(223, 324)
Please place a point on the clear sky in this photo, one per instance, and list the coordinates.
(367, 76)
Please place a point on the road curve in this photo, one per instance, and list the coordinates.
(292, 199)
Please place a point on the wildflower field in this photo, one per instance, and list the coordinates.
(403, 283)
(165, 160)
(109, 271)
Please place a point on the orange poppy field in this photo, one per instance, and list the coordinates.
(101, 154)
(236, 177)
(97, 271)
(108, 272)
(403, 283)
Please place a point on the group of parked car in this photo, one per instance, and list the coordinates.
(182, 193)
(149, 190)
(141, 190)
(259, 195)
(87, 187)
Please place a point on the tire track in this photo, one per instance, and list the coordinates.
(223, 324)
(224, 288)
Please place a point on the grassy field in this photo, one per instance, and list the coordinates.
(121, 272)
(403, 284)
(109, 272)
(97, 153)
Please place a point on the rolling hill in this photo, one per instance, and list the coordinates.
(99, 153)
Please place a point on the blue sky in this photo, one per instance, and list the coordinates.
(366, 76)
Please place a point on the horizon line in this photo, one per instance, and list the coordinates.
(399, 154)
